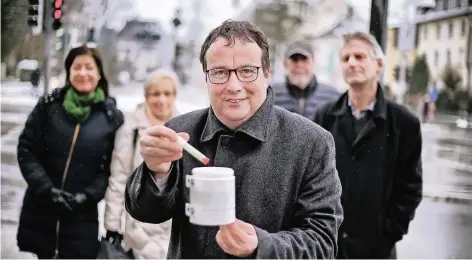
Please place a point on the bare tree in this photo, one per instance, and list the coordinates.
(18, 43)
(451, 78)
(14, 27)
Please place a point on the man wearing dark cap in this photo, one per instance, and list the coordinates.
(301, 93)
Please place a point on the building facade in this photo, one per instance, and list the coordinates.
(442, 33)
(146, 45)
(444, 37)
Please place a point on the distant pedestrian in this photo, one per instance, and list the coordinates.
(378, 155)
(302, 92)
(147, 241)
(64, 154)
(35, 77)
(426, 109)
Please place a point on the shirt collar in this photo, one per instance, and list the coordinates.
(256, 127)
(370, 107)
(341, 106)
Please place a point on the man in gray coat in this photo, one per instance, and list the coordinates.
(287, 188)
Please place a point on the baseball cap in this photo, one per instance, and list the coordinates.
(299, 47)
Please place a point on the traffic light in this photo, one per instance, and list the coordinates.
(35, 15)
(57, 14)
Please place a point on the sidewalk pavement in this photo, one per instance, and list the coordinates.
(446, 157)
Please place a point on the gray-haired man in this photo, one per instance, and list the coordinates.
(378, 155)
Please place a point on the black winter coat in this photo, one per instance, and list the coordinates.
(380, 172)
(43, 149)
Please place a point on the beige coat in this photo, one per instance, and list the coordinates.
(148, 241)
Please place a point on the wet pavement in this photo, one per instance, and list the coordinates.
(441, 228)
(447, 161)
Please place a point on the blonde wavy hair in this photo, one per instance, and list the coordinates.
(157, 76)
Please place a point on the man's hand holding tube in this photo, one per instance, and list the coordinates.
(159, 148)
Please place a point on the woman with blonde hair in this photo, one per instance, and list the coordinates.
(147, 241)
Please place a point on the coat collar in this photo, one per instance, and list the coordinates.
(256, 127)
(299, 93)
(380, 108)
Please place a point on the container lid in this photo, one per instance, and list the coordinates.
(212, 171)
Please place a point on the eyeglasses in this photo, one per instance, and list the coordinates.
(244, 74)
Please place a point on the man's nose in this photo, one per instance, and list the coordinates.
(234, 84)
(352, 61)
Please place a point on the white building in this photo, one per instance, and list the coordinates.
(146, 45)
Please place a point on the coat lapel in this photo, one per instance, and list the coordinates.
(365, 132)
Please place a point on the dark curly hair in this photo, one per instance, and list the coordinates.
(84, 50)
(241, 30)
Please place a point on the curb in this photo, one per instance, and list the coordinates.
(447, 193)
(448, 199)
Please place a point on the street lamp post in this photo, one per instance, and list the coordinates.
(469, 55)
(176, 22)
(378, 21)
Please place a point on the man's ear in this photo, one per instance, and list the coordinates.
(266, 72)
(380, 65)
(286, 64)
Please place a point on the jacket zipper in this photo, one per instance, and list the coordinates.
(64, 176)
(301, 106)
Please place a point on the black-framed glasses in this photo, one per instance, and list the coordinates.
(244, 74)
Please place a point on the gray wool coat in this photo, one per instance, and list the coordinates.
(287, 185)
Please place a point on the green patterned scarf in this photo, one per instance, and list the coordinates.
(78, 107)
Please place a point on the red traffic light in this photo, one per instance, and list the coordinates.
(57, 14)
(58, 4)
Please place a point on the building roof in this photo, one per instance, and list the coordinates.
(438, 15)
(135, 26)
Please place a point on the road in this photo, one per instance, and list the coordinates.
(441, 228)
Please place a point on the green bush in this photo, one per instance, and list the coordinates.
(452, 102)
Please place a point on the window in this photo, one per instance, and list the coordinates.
(461, 57)
(451, 29)
(463, 27)
(448, 57)
(458, 3)
(436, 58)
(395, 37)
(439, 5)
(425, 31)
(446, 5)
(438, 30)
